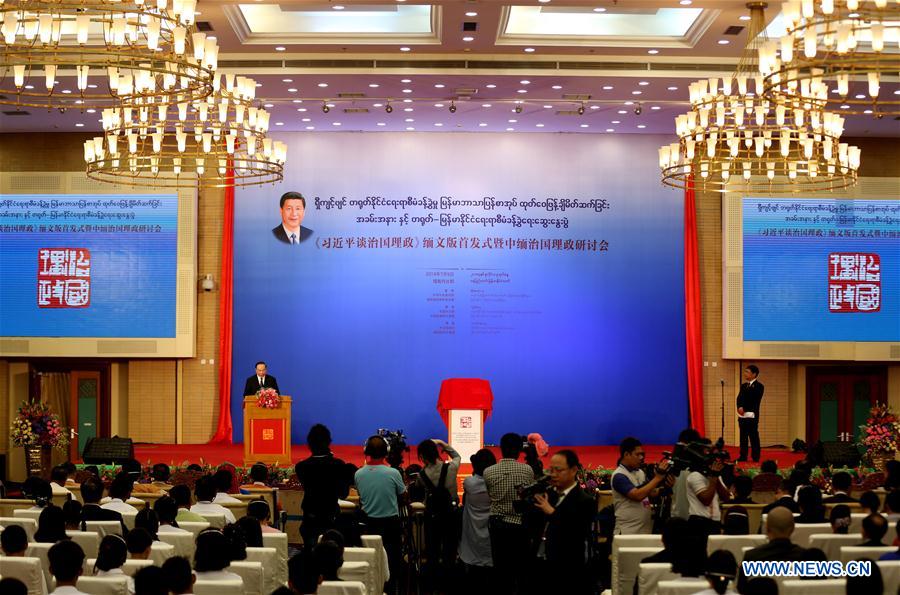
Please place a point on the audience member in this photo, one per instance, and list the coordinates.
(58, 476)
(182, 496)
(779, 527)
(14, 541)
(840, 489)
(72, 515)
(475, 544)
(784, 497)
(892, 505)
(119, 492)
(889, 556)
(195, 467)
(769, 466)
(761, 585)
(236, 540)
(736, 521)
(328, 558)
(150, 581)
(866, 585)
(13, 586)
(51, 525)
(259, 510)
(302, 576)
(325, 480)
(252, 531)
(721, 570)
(674, 533)
(66, 561)
(161, 475)
(870, 502)
(874, 528)
(438, 479)
(111, 557)
(809, 498)
(91, 493)
(632, 490)
(509, 539)
(139, 543)
(146, 519)
(223, 479)
(38, 490)
(840, 519)
(178, 576)
(212, 556)
(742, 488)
(205, 493)
(166, 513)
(259, 475)
(703, 495)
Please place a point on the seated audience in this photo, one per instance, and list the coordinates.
(475, 545)
(213, 557)
(892, 505)
(111, 557)
(205, 493)
(147, 520)
(761, 585)
(779, 527)
(801, 476)
(51, 525)
(150, 581)
(14, 541)
(874, 528)
(91, 493)
(259, 510)
(741, 490)
(721, 570)
(632, 489)
(236, 540)
(139, 544)
(811, 508)
(223, 480)
(870, 502)
(195, 467)
(58, 476)
(736, 521)
(302, 575)
(674, 534)
(866, 585)
(160, 475)
(325, 480)
(71, 470)
(72, 515)
(251, 530)
(840, 519)
(178, 576)
(166, 513)
(259, 475)
(889, 556)
(840, 489)
(328, 558)
(119, 492)
(13, 586)
(66, 561)
(784, 496)
(769, 466)
(39, 491)
(182, 496)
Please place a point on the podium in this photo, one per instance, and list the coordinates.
(267, 432)
(464, 404)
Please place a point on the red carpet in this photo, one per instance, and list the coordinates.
(591, 456)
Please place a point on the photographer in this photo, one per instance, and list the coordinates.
(704, 488)
(632, 490)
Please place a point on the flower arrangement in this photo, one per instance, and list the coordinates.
(594, 479)
(881, 432)
(36, 425)
(277, 475)
(267, 398)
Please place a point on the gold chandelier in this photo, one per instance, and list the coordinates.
(735, 136)
(838, 42)
(128, 53)
(217, 141)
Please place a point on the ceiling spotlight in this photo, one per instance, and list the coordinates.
(452, 108)
(518, 109)
(388, 108)
(325, 108)
(581, 110)
(638, 109)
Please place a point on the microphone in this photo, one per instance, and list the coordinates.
(722, 381)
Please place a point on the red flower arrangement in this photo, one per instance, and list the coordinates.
(267, 398)
(881, 432)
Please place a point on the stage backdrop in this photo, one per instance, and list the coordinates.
(550, 265)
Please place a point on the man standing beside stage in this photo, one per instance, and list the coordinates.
(260, 380)
(748, 401)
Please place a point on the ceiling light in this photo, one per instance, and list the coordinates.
(92, 86)
(410, 128)
(641, 126)
(471, 14)
(636, 92)
(521, 91)
(539, 125)
(468, 38)
(66, 91)
(292, 90)
(556, 87)
(279, 48)
(438, 124)
(388, 108)
(512, 121)
(287, 80)
(407, 109)
(373, 85)
(92, 111)
(335, 123)
(485, 105)
(528, 50)
(581, 110)
(685, 2)
(404, 48)
(599, 9)
(323, 85)
(629, 103)
(492, 86)
(652, 52)
(407, 101)
(301, 109)
(438, 105)
(655, 107)
(724, 42)
(409, 120)
(380, 124)
(672, 88)
(512, 129)
(405, 81)
(279, 123)
(595, 107)
(607, 87)
(860, 96)
(518, 109)
(548, 107)
(482, 124)
(610, 129)
(305, 119)
(868, 111)
(644, 83)
(296, 101)
(377, 105)
(744, 17)
(337, 7)
(524, 82)
(259, 84)
(439, 86)
(79, 124)
(325, 108)
(407, 90)
(616, 122)
(585, 125)
(310, 127)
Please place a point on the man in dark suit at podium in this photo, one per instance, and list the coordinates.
(748, 401)
(260, 380)
(293, 210)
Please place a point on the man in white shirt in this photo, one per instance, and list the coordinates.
(223, 480)
(58, 478)
(205, 492)
(119, 493)
(703, 495)
(66, 561)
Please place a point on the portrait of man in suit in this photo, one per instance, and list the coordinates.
(293, 210)
(260, 380)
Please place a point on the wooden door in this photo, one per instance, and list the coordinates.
(839, 399)
(84, 409)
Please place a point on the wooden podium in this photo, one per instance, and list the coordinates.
(267, 432)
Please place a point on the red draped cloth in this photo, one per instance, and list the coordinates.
(226, 295)
(465, 393)
(692, 312)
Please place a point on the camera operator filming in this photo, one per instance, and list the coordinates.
(632, 491)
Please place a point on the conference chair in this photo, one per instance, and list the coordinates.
(270, 560)
(733, 543)
(128, 518)
(629, 566)
(27, 570)
(103, 585)
(831, 586)
(41, 550)
(620, 541)
(238, 509)
(754, 514)
(367, 555)
(651, 573)
(341, 588)
(182, 542)
(359, 572)
(160, 552)
(856, 520)
(683, 586)
(279, 541)
(831, 543)
(216, 521)
(27, 513)
(802, 533)
(852, 552)
(30, 525)
(890, 574)
(233, 587)
(252, 575)
(195, 527)
(88, 540)
(104, 528)
(8, 506)
(382, 570)
(130, 567)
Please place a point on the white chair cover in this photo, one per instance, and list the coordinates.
(30, 525)
(40, 550)
(628, 567)
(831, 543)
(356, 571)
(271, 565)
(104, 528)
(650, 574)
(182, 542)
(683, 586)
(620, 541)
(103, 585)
(734, 544)
(279, 541)
(802, 533)
(216, 521)
(88, 540)
(382, 570)
(27, 570)
(856, 519)
(890, 574)
(369, 556)
(131, 567)
(341, 588)
(850, 552)
(27, 513)
(252, 574)
(128, 518)
(831, 586)
(196, 527)
(203, 587)
(160, 552)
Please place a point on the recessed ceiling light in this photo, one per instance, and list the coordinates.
(853, 15)
(335, 123)
(524, 82)
(292, 90)
(607, 87)
(652, 52)
(724, 42)
(268, 105)
(868, 111)
(279, 48)
(380, 124)
(845, 106)
(337, 7)
(310, 127)
(407, 101)
(279, 123)
(439, 86)
(599, 9)
(409, 120)
(644, 83)
(471, 14)
(860, 96)
(373, 85)
(521, 91)
(616, 122)
(685, 2)
(672, 88)
(636, 92)
(834, 90)
(468, 38)
(512, 121)
(512, 129)
(438, 124)
(897, 92)
(491, 86)
(259, 84)
(529, 50)
(407, 90)
(485, 105)
(29, 87)
(539, 125)
(305, 120)
(438, 105)
(556, 87)
(548, 107)
(323, 85)
(745, 17)
(330, 104)
(410, 128)
(655, 107)
(585, 125)
(405, 81)
(595, 107)
(66, 91)
(92, 86)
(621, 111)
(482, 124)
(377, 105)
(404, 49)
(641, 126)
(287, 80)
(407, 109)
(79, 124)
(92, 111)
(629, 103)
(610, 129)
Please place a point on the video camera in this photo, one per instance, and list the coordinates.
(396, 441)
(696, 456)
(525, 493)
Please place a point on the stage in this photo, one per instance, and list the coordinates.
(591, 456)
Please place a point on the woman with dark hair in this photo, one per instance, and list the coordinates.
(51, 525)
(212, 557)
(166, 510)
(72, 514)
(237, 541)
(870, 502)
(866, 585)
(438, 480)
(146, 519)
(736, 521)
(840, 519)
(721, 569)
(811, 508)
(251, 530)
(111, 557)
(39, 490)
(475, 545)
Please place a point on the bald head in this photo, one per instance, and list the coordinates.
(779, 523)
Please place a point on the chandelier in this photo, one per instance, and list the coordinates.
(735, 136)
(108, 52)
(220, 140)
(831, 43)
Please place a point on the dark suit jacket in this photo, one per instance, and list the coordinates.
(785, 501)
(750, 396)
(568, 529)
(281, 236)
(93, 512)
(776, 549)
(252, 384)
(839, 499)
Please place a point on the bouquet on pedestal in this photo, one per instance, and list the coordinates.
(36, 425)
(267, 398)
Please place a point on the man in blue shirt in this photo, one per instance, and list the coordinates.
(380, 488)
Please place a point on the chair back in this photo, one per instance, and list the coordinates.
(341, 588)
(279, 541)
(367, 555)
(831, 543)
(104, 528)
(103, 585)
(204, 587)
(160, 552)
(856, 520)
(271, 565)
(27, 570)
(88, 540)
(251, 573)
(754, 513)
(651, 573)
(131, 567)
(27, 513)
(622, 541)
(238, 509)
(41, 550)
(182, 542)
(829, 586)
(890, 575)
(356, 571)
(216, 521)
(128, 518)
(734, 544)
(382, 570)
(853, 552)
(803, 532)
(629, 565)
(683, 586)
(196, 527)
(30, 525)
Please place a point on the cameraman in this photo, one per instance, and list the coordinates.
(703, 492)
(509, 540)
(632, 490)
